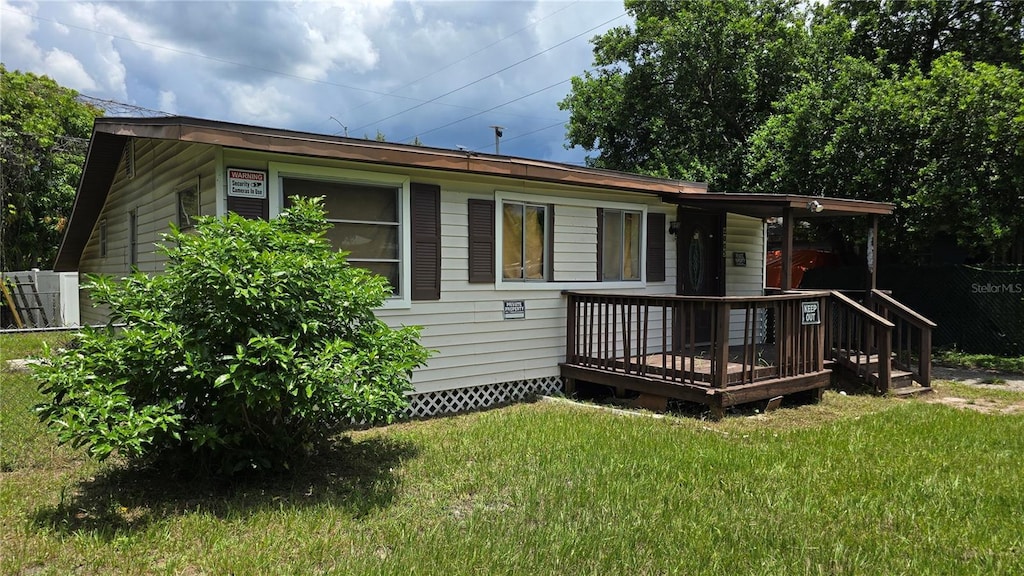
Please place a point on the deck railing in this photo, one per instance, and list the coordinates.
(860, 339)
(912, 335)
(717, 342)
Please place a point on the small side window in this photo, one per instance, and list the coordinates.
(188, 206)
(103, 238)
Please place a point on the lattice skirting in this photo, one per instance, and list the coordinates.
(476, 397)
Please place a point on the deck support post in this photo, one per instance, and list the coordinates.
(720, 376)
(787, 249)
(872, 254)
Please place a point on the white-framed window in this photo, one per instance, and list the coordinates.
(187, 196)
(103, 238)
(524, 244)
(620, 245)
(368, 216)
(570, 255)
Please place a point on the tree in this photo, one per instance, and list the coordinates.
(679, 95)
(940, 143)
(44, 133)
(921, 31)
(258, 342)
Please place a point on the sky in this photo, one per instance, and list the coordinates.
(443, 71)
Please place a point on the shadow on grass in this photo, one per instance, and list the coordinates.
(356, 478)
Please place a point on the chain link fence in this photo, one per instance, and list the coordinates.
(977, 310)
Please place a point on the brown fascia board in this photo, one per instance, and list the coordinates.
(101, 162)
(246, 137)
(769, 205)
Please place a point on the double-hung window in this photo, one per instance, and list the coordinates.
(365, 221)
(620, 245)
(525, 233)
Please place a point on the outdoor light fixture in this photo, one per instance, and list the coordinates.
(815, 206)
(673, 228)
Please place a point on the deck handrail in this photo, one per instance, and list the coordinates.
(877, 338)
(716, 341)
(905, 341)
(801, 295)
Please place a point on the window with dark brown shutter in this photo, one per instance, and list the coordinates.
(481, 241)
(655, 247)
(425, 208)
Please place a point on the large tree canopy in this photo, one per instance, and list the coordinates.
(917, 103)
(679, 95)
(44, 133)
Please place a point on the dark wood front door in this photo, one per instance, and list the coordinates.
(700, 263)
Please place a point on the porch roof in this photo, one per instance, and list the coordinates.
(771, 205)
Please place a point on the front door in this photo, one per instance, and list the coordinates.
(700, 262)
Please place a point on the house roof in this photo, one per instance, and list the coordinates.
(111, 134)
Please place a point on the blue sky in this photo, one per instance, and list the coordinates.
(444, 71)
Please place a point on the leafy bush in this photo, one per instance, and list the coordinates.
(257, 342)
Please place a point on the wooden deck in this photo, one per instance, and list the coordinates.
(724, 351)
(716, 351)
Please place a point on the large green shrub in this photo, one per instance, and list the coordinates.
(257, 342)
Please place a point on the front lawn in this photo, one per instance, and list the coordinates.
(854, 485)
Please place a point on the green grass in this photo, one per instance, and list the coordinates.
(854, 485)
(988, 361)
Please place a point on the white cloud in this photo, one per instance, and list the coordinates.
(263, 106)
(338, 35)
(67, 71)
(16, 28)
(168, 101)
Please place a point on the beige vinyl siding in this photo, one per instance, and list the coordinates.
(743, 234)
(160, 168)
(474, 344)
(575, 254)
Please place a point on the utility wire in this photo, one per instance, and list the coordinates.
(478, 80)
(230, 62)
(482, 112)
(467, 57)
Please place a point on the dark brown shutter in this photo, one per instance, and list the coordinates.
(600, 244)
(655, 247)
(481, 240)
(250, 208)
(425, 208)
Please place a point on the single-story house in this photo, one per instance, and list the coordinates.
(526, 275)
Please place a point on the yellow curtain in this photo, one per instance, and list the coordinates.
(512, 241)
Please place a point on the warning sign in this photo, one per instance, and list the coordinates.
(247, 183)
(810, 313)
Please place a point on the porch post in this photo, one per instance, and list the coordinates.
(872, 254)
(787, 249)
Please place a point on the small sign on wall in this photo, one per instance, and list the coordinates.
(739, 259)
(810, 313)
(247, 183)
(515, 309)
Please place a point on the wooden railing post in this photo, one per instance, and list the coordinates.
(925, 357)
(884, 359)
(720, 378)
(570, 328)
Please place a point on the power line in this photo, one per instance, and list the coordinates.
(478, 80)
(230, 62)
(467, 57)
(482, 112)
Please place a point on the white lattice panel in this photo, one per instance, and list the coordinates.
(476, 397)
